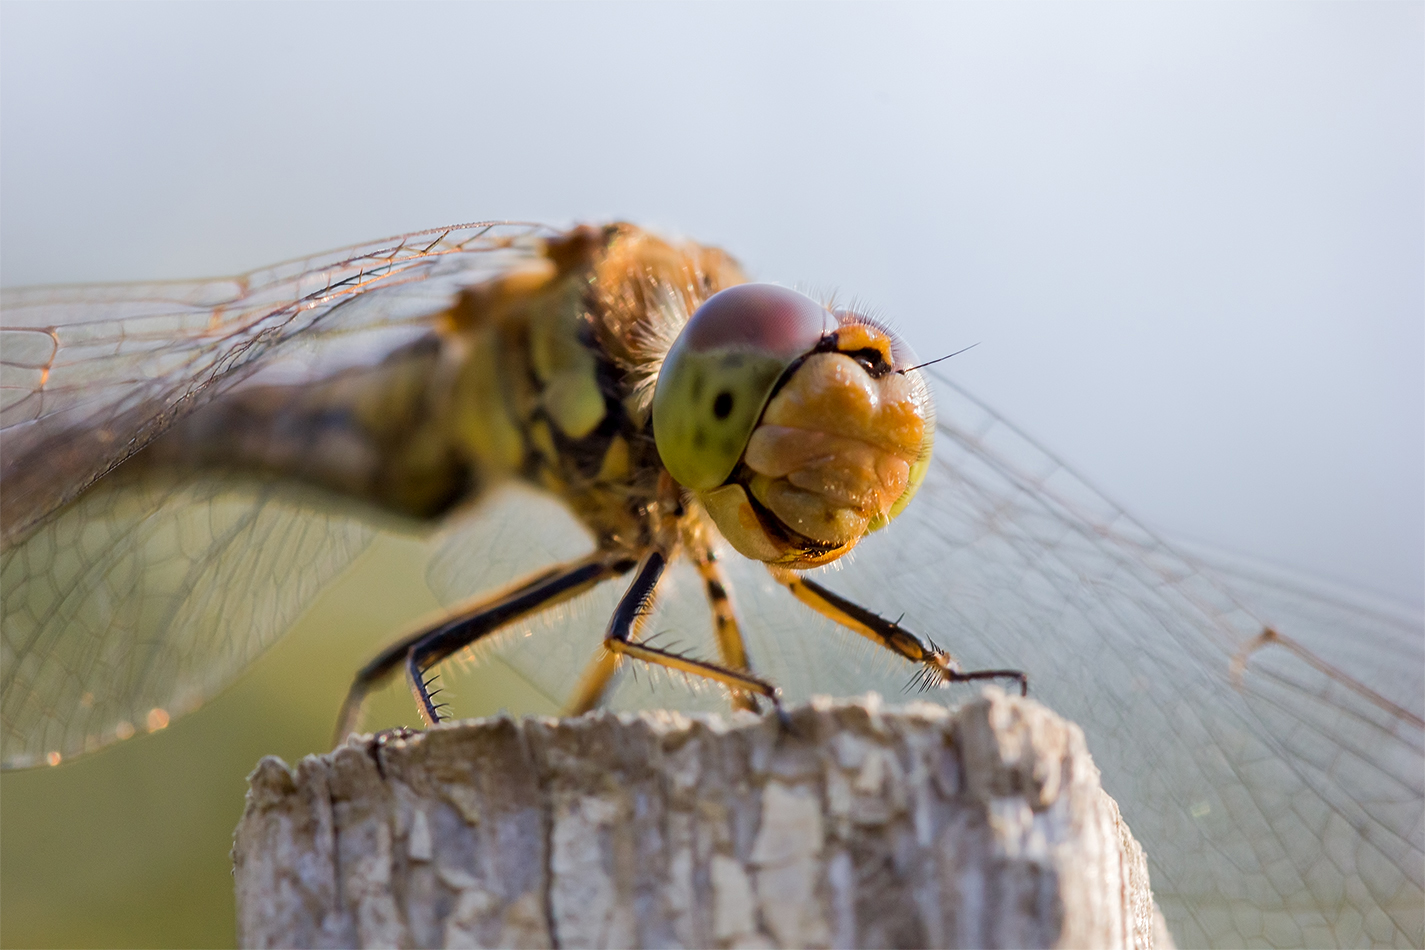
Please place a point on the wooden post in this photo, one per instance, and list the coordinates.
(857, 827)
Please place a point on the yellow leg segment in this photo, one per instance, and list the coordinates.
(886, 635)
(937, 666)
(730, 645)
(736, 680)
(590, 691)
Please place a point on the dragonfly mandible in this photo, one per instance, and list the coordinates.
(186, 465)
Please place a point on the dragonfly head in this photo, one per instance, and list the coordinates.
(799, 428)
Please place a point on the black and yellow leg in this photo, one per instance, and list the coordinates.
(730, 646)
(937, 666)
(631, 613)
(596, 677)
(469, 622)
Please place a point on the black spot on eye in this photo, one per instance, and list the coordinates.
(722, 405)
(700, 438)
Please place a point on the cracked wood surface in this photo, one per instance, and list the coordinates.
(862, 826)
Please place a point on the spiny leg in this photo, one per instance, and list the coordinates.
(631, 613)
(937, 666)
(471, 621)
(532, 597)
(596, 676)
(730, 645)
(600, 671)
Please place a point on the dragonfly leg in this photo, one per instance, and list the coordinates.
(467, 623)
(937, 666)
(592, 684)
(619, 641)
(730, 645)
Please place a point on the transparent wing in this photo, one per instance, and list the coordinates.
(1279, 807)
(90, 375)
(146, 597)
(1283, 807)
(147, 594)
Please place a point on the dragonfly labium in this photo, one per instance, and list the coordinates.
(185, 466)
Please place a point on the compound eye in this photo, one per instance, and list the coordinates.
(720, 372)
(760, 318)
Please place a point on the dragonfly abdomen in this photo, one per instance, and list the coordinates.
(368, 432)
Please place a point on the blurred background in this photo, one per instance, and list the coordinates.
(1187, 238)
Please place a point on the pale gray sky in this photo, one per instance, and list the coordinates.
(1189, 238)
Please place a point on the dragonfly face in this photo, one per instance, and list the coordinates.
(185, 466)
(799, 430)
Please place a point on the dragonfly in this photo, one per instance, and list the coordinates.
(185, 466)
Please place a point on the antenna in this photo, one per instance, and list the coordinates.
(937, 360)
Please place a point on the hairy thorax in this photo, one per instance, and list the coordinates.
(542, 374)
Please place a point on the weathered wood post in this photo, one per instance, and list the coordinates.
(858, 827)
